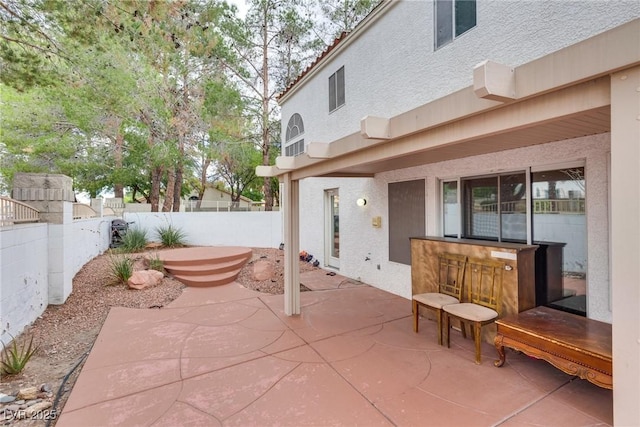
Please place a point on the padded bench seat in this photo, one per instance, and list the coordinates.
(574, 344)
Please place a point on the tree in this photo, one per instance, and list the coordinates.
(341, 16)
(236, 166)
(140, 94)
(266, 52)
(28, 45)
(37, 136)
(223, 117)
(177, 41)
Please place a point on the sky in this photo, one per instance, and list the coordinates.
(241, 5)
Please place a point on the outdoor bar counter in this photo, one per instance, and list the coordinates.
(518, 280)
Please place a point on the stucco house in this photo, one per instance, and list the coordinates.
(494, 120)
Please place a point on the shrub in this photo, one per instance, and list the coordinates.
(135, 240)
(121, 268)
(156, 263)
(15, 358)
(171, 237)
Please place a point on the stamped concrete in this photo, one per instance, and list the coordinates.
(228, 356)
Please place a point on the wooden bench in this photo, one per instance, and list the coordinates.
(574, 344)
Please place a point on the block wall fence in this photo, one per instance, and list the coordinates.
(38, 261)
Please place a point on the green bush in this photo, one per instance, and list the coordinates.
(135, 240)
(171, 237)
(121, 269)
(155, 263)
(15, 358)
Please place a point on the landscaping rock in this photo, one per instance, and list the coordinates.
(33, 402)
(144, 279)
(153, 245)
(28, 393)
(6, 398)
(262, 270)
(37, 408)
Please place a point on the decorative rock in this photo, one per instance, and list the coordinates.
(19, 402)
(33, 402)
(7, 399)
(153, 245)
(46, 387)
(262, 270)
(12, 408)
(144, 279)
(38, 407)
(28, 393)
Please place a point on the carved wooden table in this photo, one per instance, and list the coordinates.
(573, 344)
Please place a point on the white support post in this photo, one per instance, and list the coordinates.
(625, 244)
(291, 246)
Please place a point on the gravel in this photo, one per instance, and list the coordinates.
(275, 284)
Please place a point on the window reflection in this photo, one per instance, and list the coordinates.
(559, 226)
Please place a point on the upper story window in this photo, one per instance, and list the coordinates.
(453, 18)
(336, 89)
(294, 141)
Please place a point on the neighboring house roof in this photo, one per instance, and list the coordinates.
(212, 187)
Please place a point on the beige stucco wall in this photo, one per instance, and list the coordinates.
(216, 195)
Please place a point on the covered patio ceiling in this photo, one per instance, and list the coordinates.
(459, 125)
(366, 163)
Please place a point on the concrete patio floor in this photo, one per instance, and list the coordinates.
(227, 356)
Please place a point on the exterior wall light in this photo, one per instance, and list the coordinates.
(361, 201)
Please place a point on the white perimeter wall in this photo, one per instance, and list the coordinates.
(359, 240)
(24, 282)
(253, 229)
(38, 261)
(393, 66)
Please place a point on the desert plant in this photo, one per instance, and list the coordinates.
(155, 263)
(135, 240)
(15, 358)
(171, 237)
(121, 268)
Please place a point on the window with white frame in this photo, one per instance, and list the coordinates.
(336, 90)
(452, 19)
(450, 209)
(294, 141)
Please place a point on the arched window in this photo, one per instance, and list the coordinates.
(294, 143)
